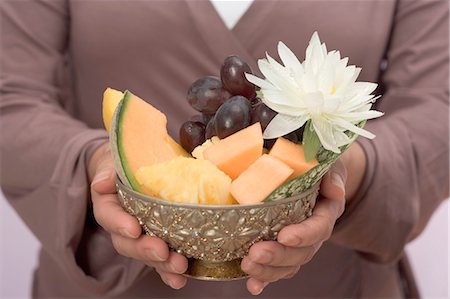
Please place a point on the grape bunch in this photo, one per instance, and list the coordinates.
(227, 104)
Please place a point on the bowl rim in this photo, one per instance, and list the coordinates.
(164, 202)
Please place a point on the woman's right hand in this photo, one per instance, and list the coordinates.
(126, 233)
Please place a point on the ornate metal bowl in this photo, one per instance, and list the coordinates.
(215, 237)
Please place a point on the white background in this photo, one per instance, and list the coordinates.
(18, 255)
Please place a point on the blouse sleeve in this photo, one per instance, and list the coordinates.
(44, 151)
(407, 173)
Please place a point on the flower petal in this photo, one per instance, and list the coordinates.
(324, 131)
(362, 115)
(258, 81)
(276, 77)
(353, 128)
(278, 67)
(290, 61)
(283, 97)
(341, 138)
(284, 109)
(283, 124)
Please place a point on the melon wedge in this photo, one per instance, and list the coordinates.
(260, 179)
(293, 155)
(138, 137)
(111, 98)
(237, 152)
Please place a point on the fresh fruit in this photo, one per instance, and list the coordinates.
(211, 128)
(192, 134)
(238, 151)
(293, 155)
(232, 116)
(299, 133)
(138, 137)
(233, 78)
(207, 118)
(111, 99)
(268, 143)
(201, 118)
(186, 180)
(198, 151)
(207, 94)
(260, 179)
(262, 114)
(197, 118)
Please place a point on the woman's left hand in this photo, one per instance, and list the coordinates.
(270, 261)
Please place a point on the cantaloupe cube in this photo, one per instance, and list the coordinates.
(293, 155)
(238, 151)
(259, 180)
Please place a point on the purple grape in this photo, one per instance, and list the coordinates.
(232, 116)
(192, 134)
(207, 118)
(207, 94)
(201, 118)
(268, 143)
(211, 128)
(291, 137)
(197, 118)
(232, 73)
(262, 114)
(299, 133)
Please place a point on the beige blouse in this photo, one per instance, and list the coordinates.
(58, 56)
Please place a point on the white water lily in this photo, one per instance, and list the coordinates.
(322, 90)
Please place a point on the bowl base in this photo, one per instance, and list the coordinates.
(215, 271)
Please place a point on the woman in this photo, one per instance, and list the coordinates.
(58, 57)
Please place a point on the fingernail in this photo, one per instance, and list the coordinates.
(289, 240)
(125, 233)
(152, 255)
(171, 284)
(262, 288)
(177, 270)
(102, 175)
(337, 180)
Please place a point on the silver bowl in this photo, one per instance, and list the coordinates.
(215, 238)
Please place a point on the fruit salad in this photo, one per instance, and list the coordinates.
(253, 139)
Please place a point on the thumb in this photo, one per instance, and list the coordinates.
(333, 183)
(104, 179)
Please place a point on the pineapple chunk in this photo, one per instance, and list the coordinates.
(198, 151)
(186, 180)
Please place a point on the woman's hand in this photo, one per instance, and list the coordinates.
(126, 233)
(270, 261)
(297, 244)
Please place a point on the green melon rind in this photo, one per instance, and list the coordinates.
(314, 175)
(118, 152)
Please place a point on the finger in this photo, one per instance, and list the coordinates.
(333, 185)
(265, 273)
(104, 179)
(111, 216)
(175, 281)
(256, 286)
(176, 263)
(146, 248)
(272, 253)
(315, 229)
